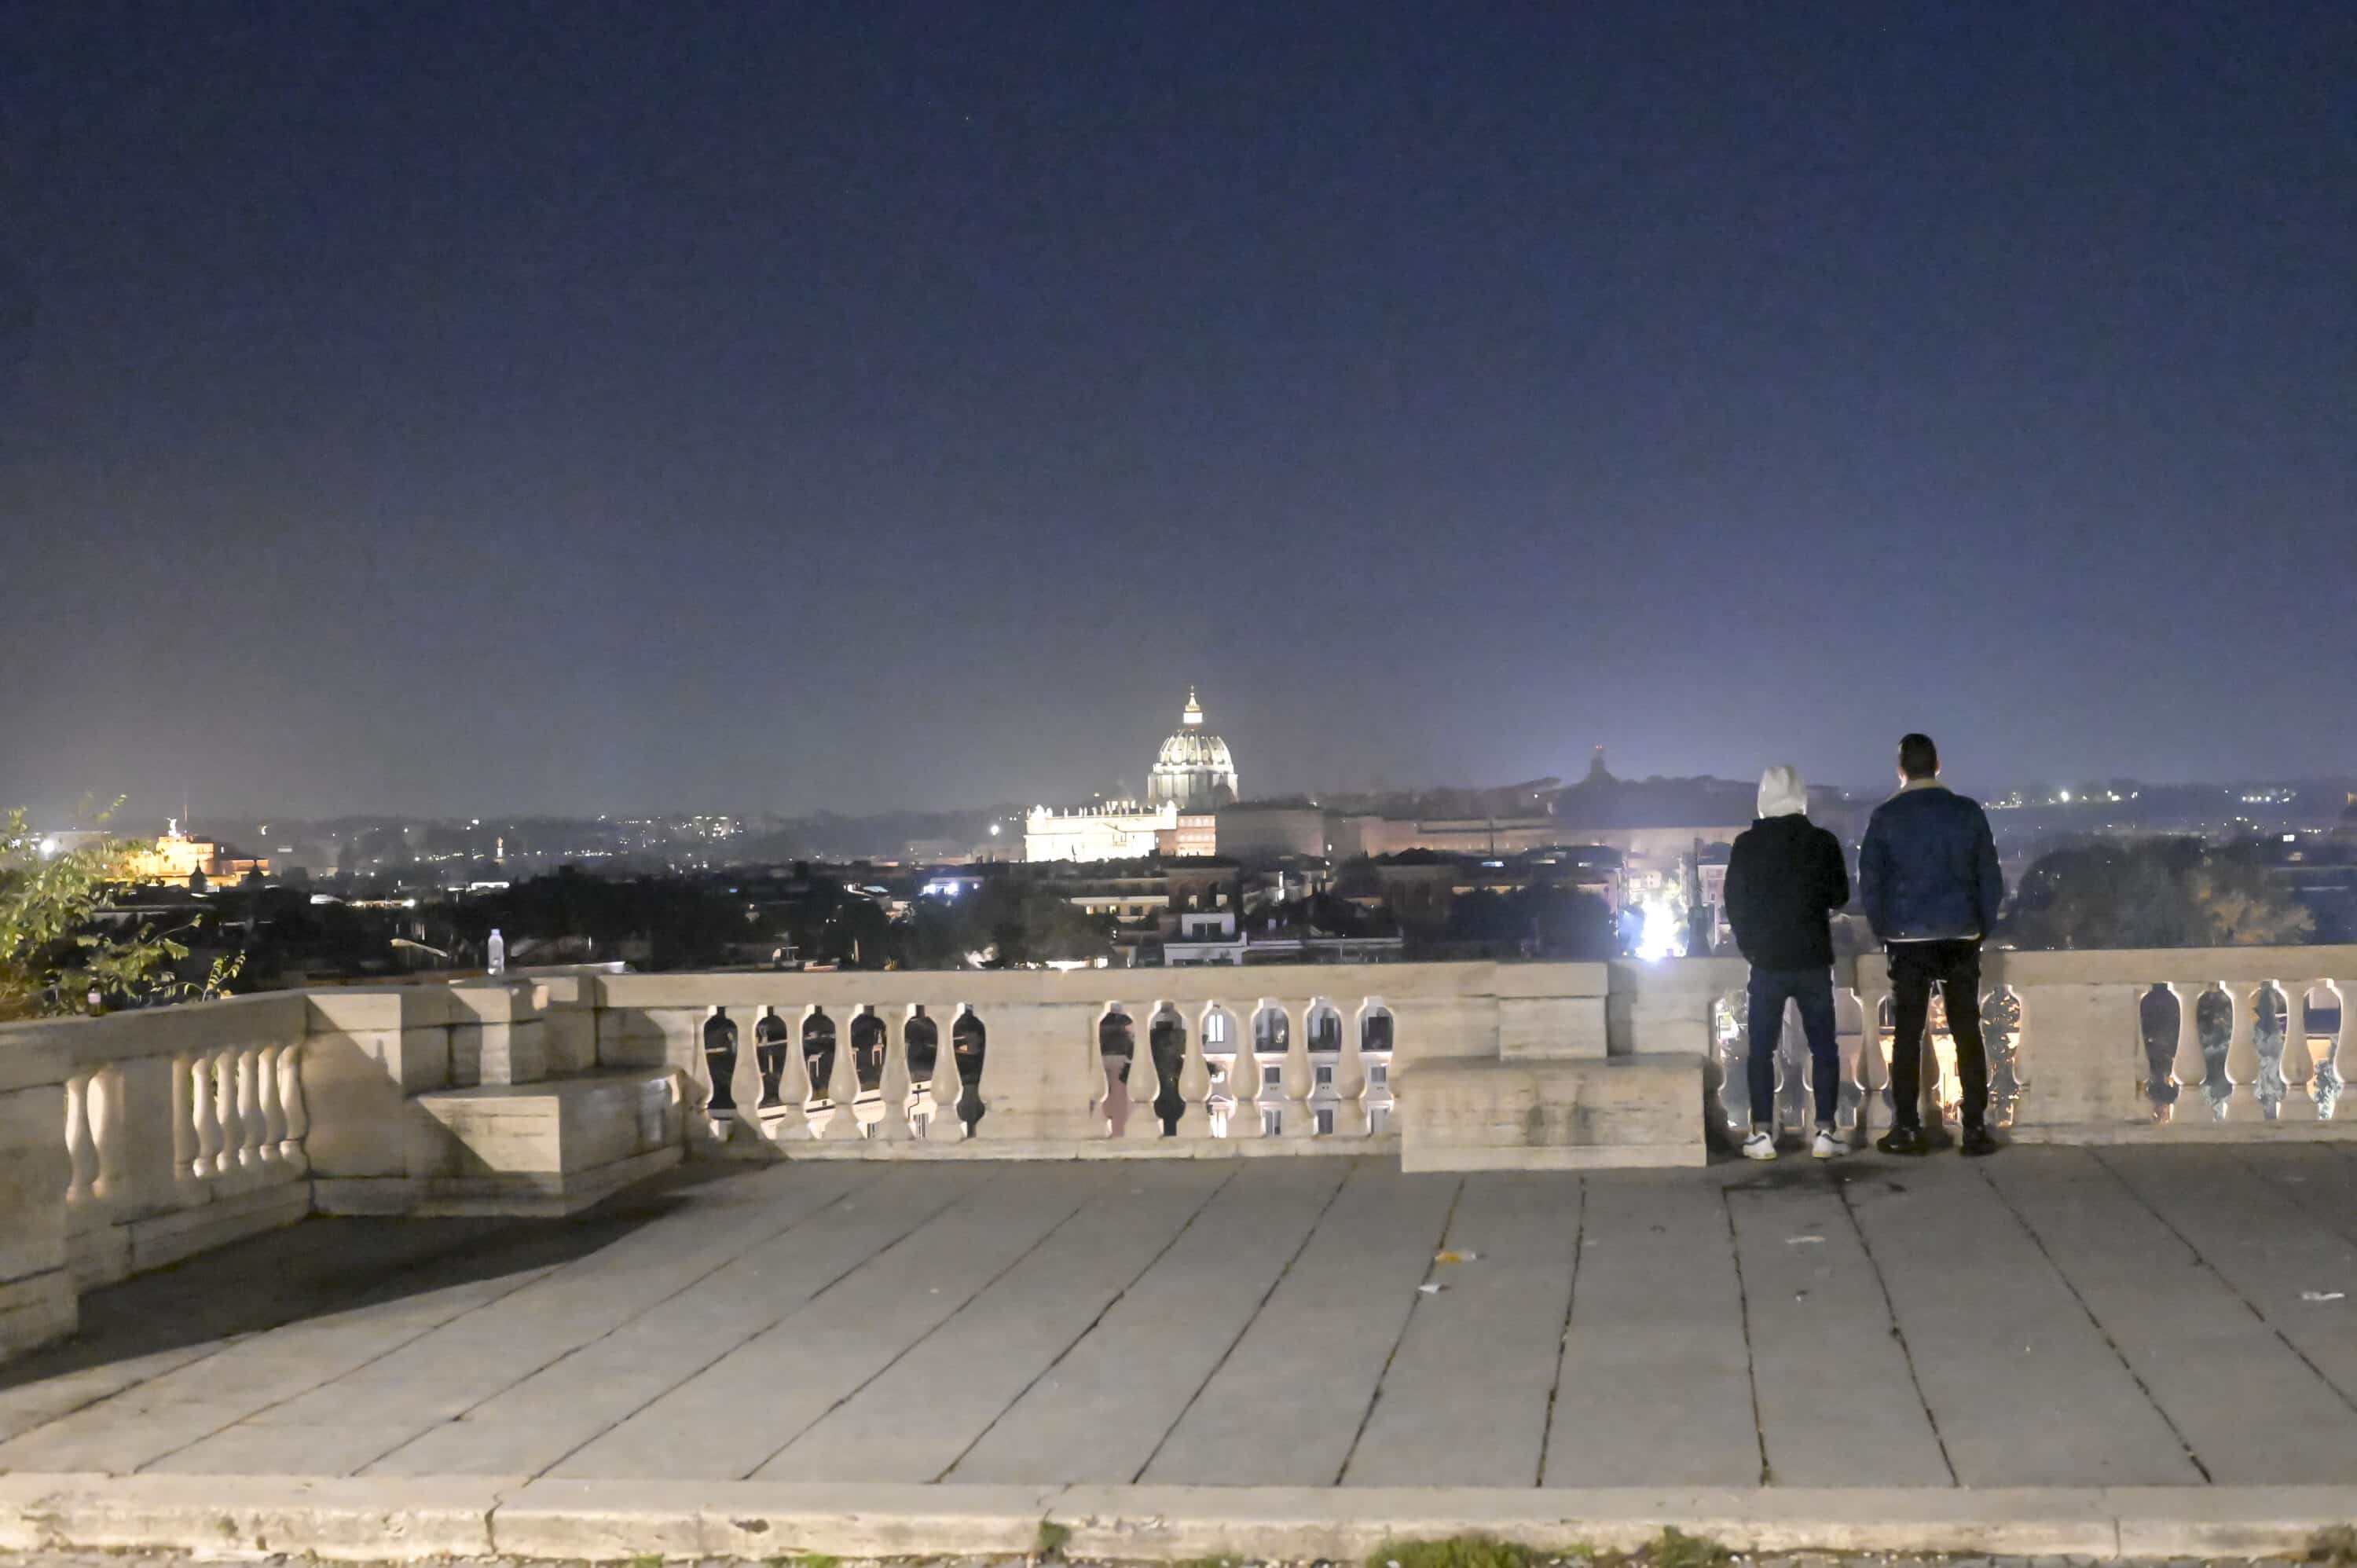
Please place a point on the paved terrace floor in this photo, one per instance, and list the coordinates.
(2049, 1318)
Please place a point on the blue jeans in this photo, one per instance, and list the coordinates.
(1813, 989)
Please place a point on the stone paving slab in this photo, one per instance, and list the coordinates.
(2178, 1319)
(1655, 1381)
(1458, 1404)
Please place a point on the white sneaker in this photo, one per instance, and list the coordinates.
(1761, 1145)
(1823, 1146)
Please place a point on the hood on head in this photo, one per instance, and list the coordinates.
(1783, 793)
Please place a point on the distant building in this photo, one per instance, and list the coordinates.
(1194, 772)
(179, 856)
(1195, 837)
(1110, 830)
(1273, 829)
(1194, 775)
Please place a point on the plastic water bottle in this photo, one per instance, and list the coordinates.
(499, 953)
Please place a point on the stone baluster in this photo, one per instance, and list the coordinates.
(294, 1118)
(204, 1104)
(107, 1131)
(2299, 1063)
(1144, 1076)
(843, 1082)
(1730, 1025)
(186, 1146)
(1850, 1091)
(253, 1126)
(1243, 1075)
(894, 1128)
(1873, 1067)
(228, 1114)
(1194, 1080)
(81, 1147)
(745, 1083)
(2242, 1047)
(274, 1114)
(2326, 1084)
(2191, 1067)
(788, 1120)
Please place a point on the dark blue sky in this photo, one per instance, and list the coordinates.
(565, 406)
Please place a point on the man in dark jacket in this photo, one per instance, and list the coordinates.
(1929, 878)
(1785, 876)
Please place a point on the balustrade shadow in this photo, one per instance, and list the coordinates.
(328, 1265)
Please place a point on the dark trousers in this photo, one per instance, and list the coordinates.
(1813, 989)
(1956, 967)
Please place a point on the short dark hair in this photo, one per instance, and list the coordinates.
(1918, 757)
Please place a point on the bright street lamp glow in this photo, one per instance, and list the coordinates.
(1660, 937)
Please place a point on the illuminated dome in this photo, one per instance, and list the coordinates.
(1194, 772)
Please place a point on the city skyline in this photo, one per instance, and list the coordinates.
(748, 409)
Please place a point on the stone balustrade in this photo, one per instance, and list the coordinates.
(2107, 1046)
(131, 1141)
(183, 1128)
(1276, 1060)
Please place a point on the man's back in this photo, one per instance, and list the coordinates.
(1784, 876)
(1928, 869)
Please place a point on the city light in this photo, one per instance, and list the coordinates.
(1661, 938)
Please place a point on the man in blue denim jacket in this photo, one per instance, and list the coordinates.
(1928, 877)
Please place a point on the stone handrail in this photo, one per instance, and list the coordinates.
(183, 1128)
(2092, 1046)
(1089, 1061)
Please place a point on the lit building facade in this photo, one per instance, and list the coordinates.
(179, 856)
(1193, 776)
(1112, 829)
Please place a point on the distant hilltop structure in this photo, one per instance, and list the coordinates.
(179, 856)
(1194, 775)
(1195, 772)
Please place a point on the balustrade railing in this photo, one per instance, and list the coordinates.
(2191, 1043)
(182, 1125)
(1165, 1062)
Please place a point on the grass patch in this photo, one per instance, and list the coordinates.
(1049, 1545)
(650, 1560)
(1675, 1549)
(1455, 1552)
(2335, 1547)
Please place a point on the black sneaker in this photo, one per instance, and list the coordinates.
(1904, 1140)
(1977, 1142)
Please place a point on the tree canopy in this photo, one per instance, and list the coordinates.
(2159, 893)
(59, 948)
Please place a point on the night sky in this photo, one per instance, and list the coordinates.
(555, 406)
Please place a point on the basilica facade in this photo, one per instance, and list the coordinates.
(1193, 776)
